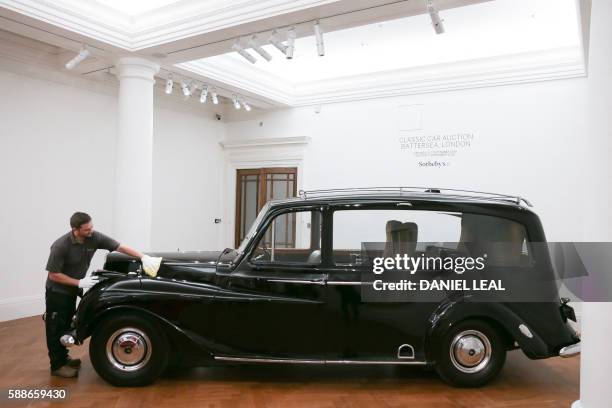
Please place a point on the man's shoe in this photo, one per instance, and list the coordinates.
(73, 362)
(66, 372)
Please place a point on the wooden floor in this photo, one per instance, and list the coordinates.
(522, 383)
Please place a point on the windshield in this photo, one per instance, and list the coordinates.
(253, 229)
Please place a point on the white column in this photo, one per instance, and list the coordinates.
(132, 202)
(596, 319)
(595, 359)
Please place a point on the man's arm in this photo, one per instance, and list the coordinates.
(63, 279)
(129, 251)
(150, 264)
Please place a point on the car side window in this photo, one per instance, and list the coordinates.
(391, 232)
(291, 238)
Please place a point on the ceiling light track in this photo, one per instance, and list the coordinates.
(277, 42)
(190, 86)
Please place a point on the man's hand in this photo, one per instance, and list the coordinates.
(88, 281)
(151, 265)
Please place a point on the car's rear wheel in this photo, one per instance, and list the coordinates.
(128, 350)
(471, 354)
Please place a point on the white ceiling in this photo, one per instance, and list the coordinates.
(136, 25)
(486, 44)
(375, 48)
(502, 27)
(133, 7)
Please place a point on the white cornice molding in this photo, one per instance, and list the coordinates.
(166, 24)
(265, 142)
(495, 71)
(103, 24)
(243, 79)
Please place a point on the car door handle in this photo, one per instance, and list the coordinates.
(298, 281)
(347, 283)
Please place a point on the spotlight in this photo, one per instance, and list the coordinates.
(319, 35)
(204, 94)
(258, 49)
(247, 107)
(169, 84)
(236, 102)
(83, 53)
(185, 89)
(214, 97)
(291, 35)
(435, 17)
(277, 43)
(192, 87)
(238, 48)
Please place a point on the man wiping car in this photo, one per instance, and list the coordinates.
(67, 266)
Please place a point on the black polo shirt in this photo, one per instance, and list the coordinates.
(72, 258)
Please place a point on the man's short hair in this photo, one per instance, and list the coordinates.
(78, 219)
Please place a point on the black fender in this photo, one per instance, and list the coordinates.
(193, 348)
(449, 313)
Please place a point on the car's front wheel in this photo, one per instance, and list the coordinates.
(128, 350)
(471, 354)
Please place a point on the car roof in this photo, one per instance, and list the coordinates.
(381, 194)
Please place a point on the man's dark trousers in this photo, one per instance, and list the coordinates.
(60, 308)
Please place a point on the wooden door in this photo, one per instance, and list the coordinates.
(254, 188)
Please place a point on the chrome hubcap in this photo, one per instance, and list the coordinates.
(128, 349)
(470, 351)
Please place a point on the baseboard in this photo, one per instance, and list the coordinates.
(21, 306)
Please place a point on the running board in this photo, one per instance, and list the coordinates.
(309, 361)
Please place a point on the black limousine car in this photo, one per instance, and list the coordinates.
(293, 292)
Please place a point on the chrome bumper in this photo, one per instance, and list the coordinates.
(570, 351)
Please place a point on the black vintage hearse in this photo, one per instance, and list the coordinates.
(291, 293)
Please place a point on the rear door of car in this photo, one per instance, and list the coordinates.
(367, 326)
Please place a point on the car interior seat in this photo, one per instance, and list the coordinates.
(314, 258)
(401, 238)
(501, 239)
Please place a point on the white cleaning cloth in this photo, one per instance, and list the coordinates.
(151, 265)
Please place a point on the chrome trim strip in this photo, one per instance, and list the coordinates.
(343, 283)
(305, 282)
(570, 351)
(306, 361)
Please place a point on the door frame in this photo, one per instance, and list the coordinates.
(261, 191)
(285, 152)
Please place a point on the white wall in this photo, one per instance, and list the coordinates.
(529, 140)
(57, 153)
(56, 157)
(187, 171)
